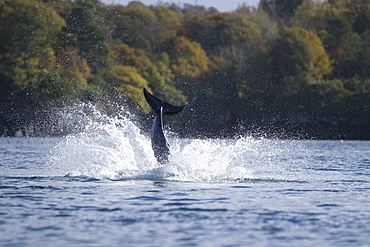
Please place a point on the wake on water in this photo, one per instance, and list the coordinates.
(115, 148)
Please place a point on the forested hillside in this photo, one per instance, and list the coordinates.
(291, 68)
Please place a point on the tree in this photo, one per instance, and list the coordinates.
(125, 55)
(162, 81)
(142, 27)
(27, 62)
(128, 81)
(82, 32)
(163, 28)
(188, 59)
(129, 25)
(297, 58)
(280, 10)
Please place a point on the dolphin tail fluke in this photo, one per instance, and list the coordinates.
(156, 104)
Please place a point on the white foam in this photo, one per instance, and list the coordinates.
(115, 148)
(106, 148)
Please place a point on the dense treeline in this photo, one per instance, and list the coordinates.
(290, 67)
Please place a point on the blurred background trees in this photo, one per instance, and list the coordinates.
(288, 66)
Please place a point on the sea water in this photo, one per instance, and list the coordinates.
(103, 187)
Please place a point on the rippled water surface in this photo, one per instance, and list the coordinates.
(103, 187)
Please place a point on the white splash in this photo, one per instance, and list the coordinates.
(106, 148)
(116, 149)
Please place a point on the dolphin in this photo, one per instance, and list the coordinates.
(160, 145)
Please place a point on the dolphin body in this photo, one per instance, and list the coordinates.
(160, 145)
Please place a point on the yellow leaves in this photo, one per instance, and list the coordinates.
(28, 30)
(188, 58)
(139, 11)
(33, 62)
(127, 80)
(219, 64)
(167, 19)
(243, 29)
(46, 17)
(320, 60)
(298, 55)
(127, 75)
(125, 55)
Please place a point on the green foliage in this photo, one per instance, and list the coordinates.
(162, 81)
(27, 61)
(328, 93)
(297, 57)
(125, 55)
(217, 30)
(127, 80)
(284, 61)
(164, 27)
(188, 58)
(81, 32)
(129, 25)
(280, 10)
